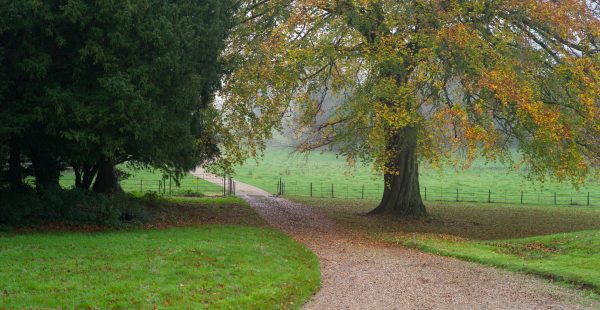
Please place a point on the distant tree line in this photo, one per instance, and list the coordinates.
(89, 85)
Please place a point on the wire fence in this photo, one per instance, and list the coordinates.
(211, 185)
(454, 194)
(201, 185)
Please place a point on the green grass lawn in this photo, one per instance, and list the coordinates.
(561, 243)
(569, 257)
(474, 184)
(222, 256)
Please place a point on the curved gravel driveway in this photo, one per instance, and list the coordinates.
(359, 273)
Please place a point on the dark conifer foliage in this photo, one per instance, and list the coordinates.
(93, 84)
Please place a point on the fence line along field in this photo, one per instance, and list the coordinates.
(148, 181)
(323, 174)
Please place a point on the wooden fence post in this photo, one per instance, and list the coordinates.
(521, 197)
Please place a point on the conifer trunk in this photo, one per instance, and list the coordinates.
(107, 181)
(15, 170)
(45, 169)
(401, 194)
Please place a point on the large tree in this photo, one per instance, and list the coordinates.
(92, 84)
(420, 80)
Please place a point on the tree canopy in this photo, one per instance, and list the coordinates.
(420, 80)
(92, 84)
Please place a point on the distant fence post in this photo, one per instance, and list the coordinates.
(521, 197)
(457, 195)
(159, 189)
(489, 195)
(332, 196)
(362, 193)
(425, 193)
(588, 200)
(141, 186)
(554, 198)
(311, 189)
(224, 187)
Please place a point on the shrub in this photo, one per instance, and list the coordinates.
(189, 193)
(74, 206)
(20, 206)
(85, 207)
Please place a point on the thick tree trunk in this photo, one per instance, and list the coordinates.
(15, 170)
(401, 195)
(45, 169)
(107, 181)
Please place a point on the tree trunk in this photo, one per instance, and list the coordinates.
(77, 172)
(84, 174)
(45, 169)
(89, 174)
(401, 195)
(107, 181)
(15, 170)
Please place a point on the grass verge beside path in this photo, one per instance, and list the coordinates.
(560, 243)
(223, 257)
(570, 257)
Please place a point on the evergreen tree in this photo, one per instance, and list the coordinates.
(93, 84)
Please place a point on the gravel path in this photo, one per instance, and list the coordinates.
(358, 273)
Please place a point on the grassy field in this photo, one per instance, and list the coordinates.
(208, 253)
(560, 243)
(473, 184)
(144, 181)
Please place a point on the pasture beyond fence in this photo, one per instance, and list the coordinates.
(210, 185)
(201, 185)
(455, 194)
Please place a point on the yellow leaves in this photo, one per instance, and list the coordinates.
(584, 73)
(459, 34)
(494, 73)
(394, 105)
(510, 90)
(395, 116)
